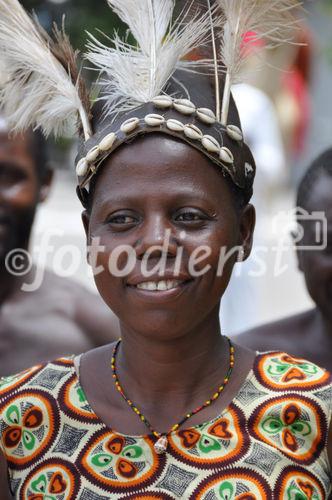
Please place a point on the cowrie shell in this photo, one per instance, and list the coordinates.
(184, 106)
(175, 125)
(226, 155)
(234, 132)
(93, 154)
(82, 167)
(210, 144)
(108, 141)
(129, 125)
(248, 169)
(192, 132)
(162, 102)
(154, 120)
(206, 115)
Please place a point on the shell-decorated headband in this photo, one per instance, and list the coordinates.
(149, 86)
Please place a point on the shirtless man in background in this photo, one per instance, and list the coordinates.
(61, 317)
(309, 334)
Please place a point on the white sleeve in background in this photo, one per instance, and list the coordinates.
(261, 132)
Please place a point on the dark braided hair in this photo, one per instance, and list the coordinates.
(320, 166)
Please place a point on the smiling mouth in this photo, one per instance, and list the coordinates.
(159, 286)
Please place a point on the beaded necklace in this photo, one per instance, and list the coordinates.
(161, 445)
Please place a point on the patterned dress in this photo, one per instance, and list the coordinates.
(269, 443)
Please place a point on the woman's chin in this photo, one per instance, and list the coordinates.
(157, 324)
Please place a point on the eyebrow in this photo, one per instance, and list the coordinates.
(186, 195)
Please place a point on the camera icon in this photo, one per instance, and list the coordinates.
(300, 229)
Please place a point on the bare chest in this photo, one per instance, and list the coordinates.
(37, 331)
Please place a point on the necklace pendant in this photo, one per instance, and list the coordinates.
(161, 445)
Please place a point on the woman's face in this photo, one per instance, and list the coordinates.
(158, 191)
(19, 192)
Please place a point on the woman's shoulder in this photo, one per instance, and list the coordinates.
(39, 378)
(279, 373)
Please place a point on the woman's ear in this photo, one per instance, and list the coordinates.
(247, 226)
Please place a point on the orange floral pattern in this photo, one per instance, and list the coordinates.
(268, 443)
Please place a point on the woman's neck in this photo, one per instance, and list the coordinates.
(183, 365)
(166, 380)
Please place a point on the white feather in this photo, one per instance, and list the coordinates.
(134, 75)
(271, 20)
(215, 60)
(38, 92)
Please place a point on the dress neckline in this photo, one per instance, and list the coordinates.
(75, 368)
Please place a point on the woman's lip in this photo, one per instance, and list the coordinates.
(160, 295)
(134, 281)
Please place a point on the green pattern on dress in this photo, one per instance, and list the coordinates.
(268, 443)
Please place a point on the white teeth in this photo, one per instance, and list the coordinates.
(162, 285)
(159, 286)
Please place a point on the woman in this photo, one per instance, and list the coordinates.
(173, 410)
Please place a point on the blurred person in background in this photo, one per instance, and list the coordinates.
(266, 145)
(285, 77)
(308, 334)
(60, 317)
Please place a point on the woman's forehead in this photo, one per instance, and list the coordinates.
(160, 148)
(156, 165)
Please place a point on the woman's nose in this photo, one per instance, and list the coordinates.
(156, 239)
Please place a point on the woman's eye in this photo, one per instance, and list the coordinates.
(121, 219)
(189, 217)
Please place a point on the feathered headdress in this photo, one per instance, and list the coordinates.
(135, 74)
(43, 88)
(273, 21)
(146, 87)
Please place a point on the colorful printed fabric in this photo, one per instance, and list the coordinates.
(270, 442)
